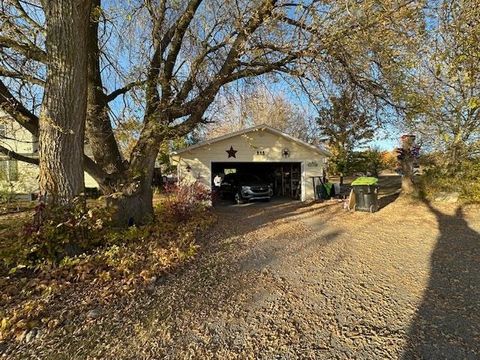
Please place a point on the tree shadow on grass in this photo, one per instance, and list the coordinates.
(447, 323)
(386, 200)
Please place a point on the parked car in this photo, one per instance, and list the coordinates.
(245, 187)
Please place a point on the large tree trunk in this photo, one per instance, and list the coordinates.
(99, 131)
(62, 120)
(134, 203)
(128, 188)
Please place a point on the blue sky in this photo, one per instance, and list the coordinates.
(386, 139)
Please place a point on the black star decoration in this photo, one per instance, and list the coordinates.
(231, 152)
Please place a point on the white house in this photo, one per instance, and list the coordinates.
(289, 163)
(19, 179)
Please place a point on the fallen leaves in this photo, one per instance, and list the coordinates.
(130, 261)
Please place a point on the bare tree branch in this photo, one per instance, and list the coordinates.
(29, 51)
(25, 15)
(176, 44)
(123, 90)
(22, 76)
(13, 155)
(17, 111)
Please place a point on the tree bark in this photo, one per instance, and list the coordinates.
(62, 119)
(99, 131)
(133, 204)
(407, 165)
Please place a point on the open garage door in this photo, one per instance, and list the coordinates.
(284, 177)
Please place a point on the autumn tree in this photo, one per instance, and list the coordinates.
(448, 82)
(257, 105)
(189, 50)
(164, 62)
(376, 63)
(374, 161)
(345, 126)
(194, 54)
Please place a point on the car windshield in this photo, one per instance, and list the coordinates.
(249, 178)
(229, 177)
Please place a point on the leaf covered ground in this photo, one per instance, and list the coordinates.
(287, 280)
(37, 298)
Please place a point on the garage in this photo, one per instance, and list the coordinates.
(288, 164)
(284, 177)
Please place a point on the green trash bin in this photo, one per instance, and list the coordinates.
(366, 194)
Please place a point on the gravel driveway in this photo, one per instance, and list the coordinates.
(287, 281)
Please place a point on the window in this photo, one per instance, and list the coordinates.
(229, 171)
(13, 170)
(3, 170)
(9, 170)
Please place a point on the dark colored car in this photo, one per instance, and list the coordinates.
(245, 187)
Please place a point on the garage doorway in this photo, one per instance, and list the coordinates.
(284, 177)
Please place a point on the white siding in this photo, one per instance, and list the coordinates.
(23, 142)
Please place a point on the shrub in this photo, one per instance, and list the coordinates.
(464, 179)
(58, 231)
(370, 162)
(113, 262)
(183, 199)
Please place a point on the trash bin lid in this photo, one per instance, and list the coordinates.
(365, 180)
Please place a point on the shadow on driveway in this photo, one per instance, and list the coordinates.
(447, 323)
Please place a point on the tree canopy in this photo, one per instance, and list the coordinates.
(160, 64)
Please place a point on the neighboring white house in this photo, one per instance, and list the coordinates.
(289, 163)
(17, 177)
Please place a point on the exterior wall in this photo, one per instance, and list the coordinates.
(18, 139)
(248, 145)
(90, 182)
(311, 168)
(26, 182)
